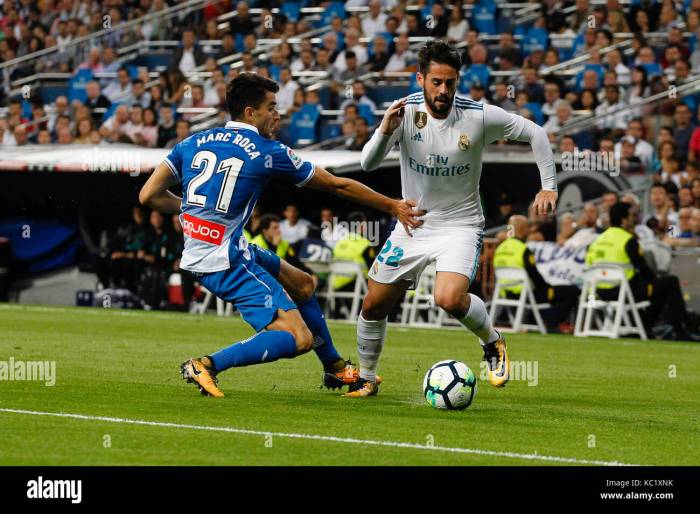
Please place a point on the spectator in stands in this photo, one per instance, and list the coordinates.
(513, 252)
(196, 101)
(134, 126)
(352, 70)
(685, 197)
(188, 56)
(288, 86)
(182, 131)
(502, 96)
(555, 123)
(348, 131)
(242, 23)
(692, 170)
(684, 235)
(159, 255)
(671, 172)
(93, 62)
(121, 89)
(359, 96)
(643, 148)
(56, 61)
(629, 162)
(458, 26)
(567, 144)
(293, 227)
(362, 135)
(612, 123)
(478, 93)
(552, 97)
(662, 207)
(166, 126)
(615, 62)
(683, 128)
(322, 61)
(84, 128)
(44, 138)
(531, 85)
(617, 245)
(375, 20)
(272, 238)
(113, 128)
(20, 136)
(380, 56)
(149, 131)
(64, 136)
(352, 43)
(402, 59)
(139, 95)
(96, 100)
(665, 150)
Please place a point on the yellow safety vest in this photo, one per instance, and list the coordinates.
(282, 248)
(509, 254)
(247, 235)
(609, 248)
(350, 248)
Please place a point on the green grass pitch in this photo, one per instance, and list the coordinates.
(596, 400)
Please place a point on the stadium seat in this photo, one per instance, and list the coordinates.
(536, 38)
(612, 317)
(222, 308)
(330, 130)
(421, 300)
(509, 277)
(346, 269)
(474, 74)
(304, 124)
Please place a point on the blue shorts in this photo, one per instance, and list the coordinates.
(269, 261)
(255, 292)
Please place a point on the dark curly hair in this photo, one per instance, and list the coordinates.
(439, 52)
(247, 90)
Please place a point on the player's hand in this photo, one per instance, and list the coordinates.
(392, 117)
(545, 201)
(407, 214)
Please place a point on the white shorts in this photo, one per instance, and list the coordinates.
(451, 249)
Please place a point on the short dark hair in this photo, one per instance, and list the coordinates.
(247, 90)
(268, 219)
(618, 212)
(440, 52)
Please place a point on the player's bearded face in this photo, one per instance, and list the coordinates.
(439, 88)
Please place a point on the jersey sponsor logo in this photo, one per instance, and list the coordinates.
(296, 160)
(202, 230)
(417, 137)
(464, 142)
(420, 118)
(432, 170)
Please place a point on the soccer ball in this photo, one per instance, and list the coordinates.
(449, 385)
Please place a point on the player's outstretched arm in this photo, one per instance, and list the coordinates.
(403, 210)
(155, 194)
(383, 139)
(500, 124)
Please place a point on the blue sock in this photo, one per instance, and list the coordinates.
(262, 347)
(323, 342)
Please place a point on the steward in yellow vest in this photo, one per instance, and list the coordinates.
(617, 245)
(514, 253)
(354, 247)
(270, 237)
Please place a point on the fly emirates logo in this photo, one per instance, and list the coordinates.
(202, 230)
(436, 166)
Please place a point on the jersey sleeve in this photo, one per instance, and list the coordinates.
(174, 161)
(379, 145)
(287, 165)
(499, 124)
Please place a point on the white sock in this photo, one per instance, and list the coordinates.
(370, 341)
(477, 320)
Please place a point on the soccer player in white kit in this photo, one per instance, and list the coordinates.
(441, 138)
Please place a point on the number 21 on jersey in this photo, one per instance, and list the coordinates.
(206, 161)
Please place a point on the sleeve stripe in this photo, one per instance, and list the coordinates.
(308, 177)
(172, 169)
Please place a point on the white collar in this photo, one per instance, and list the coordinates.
(241, 125)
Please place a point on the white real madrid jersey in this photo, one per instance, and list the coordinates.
(441, 158)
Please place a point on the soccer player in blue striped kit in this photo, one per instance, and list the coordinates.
(223, 172)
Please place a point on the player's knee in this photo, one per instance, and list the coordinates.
(373, 310)
(455, 305)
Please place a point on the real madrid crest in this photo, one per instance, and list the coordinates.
(420, 119)
(464, 141)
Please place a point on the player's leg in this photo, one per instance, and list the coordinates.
(371, 332)
(264, 305)
(457, 263)
(337, 372)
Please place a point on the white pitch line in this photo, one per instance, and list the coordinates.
(314, 437)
